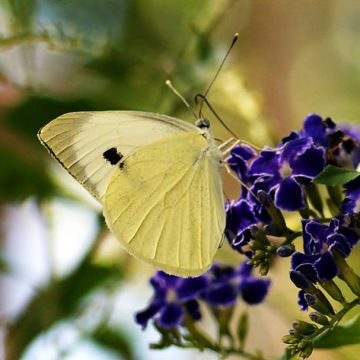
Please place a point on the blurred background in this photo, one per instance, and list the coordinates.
(68, 290)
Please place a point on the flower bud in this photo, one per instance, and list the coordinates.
(320, 303)
(303, 327)
(285, 250)
(275, 214)
(333, 290)
(319, 318)
(307, 351)
(264, 268)
(243, 328)
(257, 245)
(301, 282)
(302, 345)
(260, 254)
(346, 273)
(253, 230)
(289, 339)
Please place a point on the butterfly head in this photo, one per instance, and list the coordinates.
(202, 123)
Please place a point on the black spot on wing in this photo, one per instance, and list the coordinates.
(112, 156)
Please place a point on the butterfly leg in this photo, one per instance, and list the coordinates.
(227, 152)
(226, 144)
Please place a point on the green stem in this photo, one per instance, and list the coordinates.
(336, 318)
(205, 342)
(291, 237)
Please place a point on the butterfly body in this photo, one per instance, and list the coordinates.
(157, 178)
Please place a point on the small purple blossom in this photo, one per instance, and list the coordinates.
(227, 283)
(297, 159)
(351, 143)
(351, 203)
(173, 297)
(238, 161)
(317, 263)
(240, 217)
(220, 286)
(318, 129)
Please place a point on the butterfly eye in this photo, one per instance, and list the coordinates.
(202, 123)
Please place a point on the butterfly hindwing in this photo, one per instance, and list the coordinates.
(166, 206)
(79, 141)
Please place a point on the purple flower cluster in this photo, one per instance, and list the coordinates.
(284, 175)
(176, 297)
(283, 172)
(317, 262)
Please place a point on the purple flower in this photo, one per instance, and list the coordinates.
(238, 161)
(302, 300)
(227, 283)
(240, 217)
(298, 159)
(351, 203)
(173, 297)
(220, 286)
(351, 142)
(317, 263)
(317, 129)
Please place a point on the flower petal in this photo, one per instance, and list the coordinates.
(243, 151)
(289, 195)
(253, 291)
(315, 238)
(339, 242)
(190, 288)
(221, 272)
(295, 148)
(239, 218)
(266, 164)
(309, 164)
(292, 136)
(171, 315)
(315, 128)
(193, 308)
(244, 269)
(326, 267)
(220, 295)
(164, 280)
(302, 301)
(351, 236)
(142, 317)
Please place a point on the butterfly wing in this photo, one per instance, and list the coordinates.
(79, 140)
(166, 204)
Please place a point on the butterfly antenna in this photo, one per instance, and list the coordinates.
(205, 100)
(234, 40)
(173, 89)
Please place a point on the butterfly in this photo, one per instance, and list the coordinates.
(157, 178)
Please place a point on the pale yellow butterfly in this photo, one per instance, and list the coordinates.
(157, 177)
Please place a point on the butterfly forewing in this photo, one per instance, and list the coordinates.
(166, 205)
(78, 141)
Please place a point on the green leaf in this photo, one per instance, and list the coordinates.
(114, 340)
(347, 334)
(242, 328)
(333, 175)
